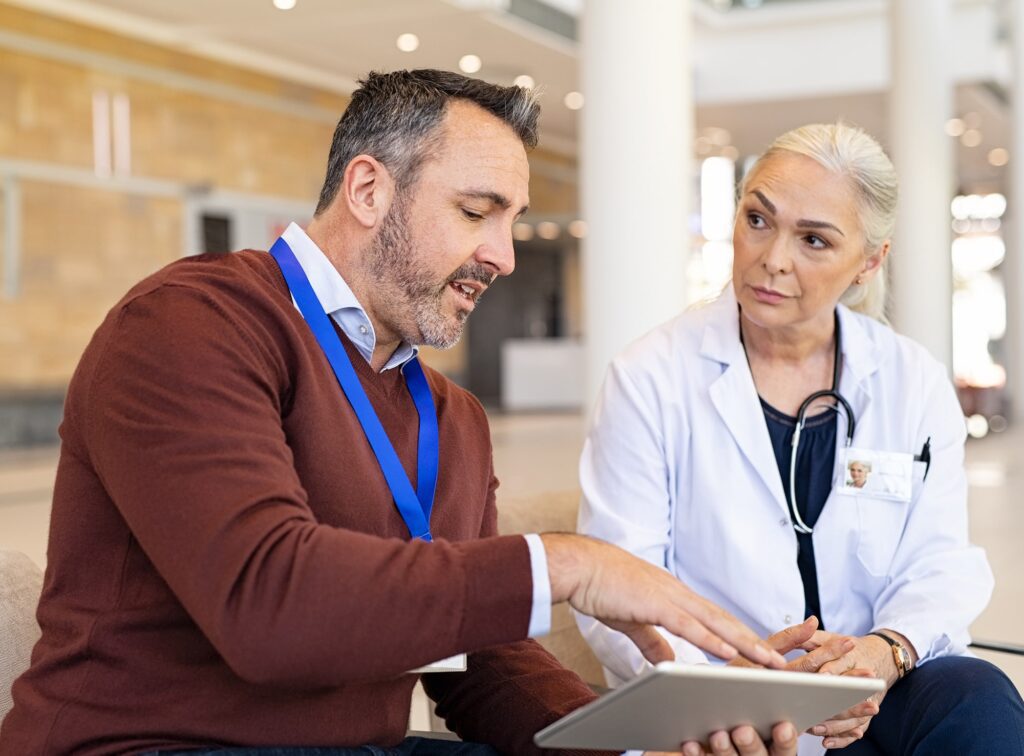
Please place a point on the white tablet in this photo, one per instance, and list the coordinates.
(673, 703)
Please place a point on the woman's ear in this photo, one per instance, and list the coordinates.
(873, 262)
(367, 190)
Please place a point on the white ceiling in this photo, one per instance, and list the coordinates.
(330, 43)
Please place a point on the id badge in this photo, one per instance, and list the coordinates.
(455, 663)
(879, 474)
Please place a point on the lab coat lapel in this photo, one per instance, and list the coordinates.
(861, 360)
(734, 395)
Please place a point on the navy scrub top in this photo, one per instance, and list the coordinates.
(814, 464)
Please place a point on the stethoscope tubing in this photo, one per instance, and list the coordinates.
(801, 418)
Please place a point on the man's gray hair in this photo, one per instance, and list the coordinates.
(395, 117)
(850, 151)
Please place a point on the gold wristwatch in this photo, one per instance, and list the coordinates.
(900, 655)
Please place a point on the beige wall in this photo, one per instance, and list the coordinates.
(73, 269)
(84, 242)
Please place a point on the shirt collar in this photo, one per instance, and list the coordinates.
(338, 300)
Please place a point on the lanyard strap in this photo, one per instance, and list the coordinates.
(414, 506)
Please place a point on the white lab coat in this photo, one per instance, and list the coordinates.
(678, 469)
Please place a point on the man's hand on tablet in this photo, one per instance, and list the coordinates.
(632, 596)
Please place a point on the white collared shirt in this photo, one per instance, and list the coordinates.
(341, 304)
(338, 300)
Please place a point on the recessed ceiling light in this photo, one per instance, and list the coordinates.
(284, 4)
(955, 127)
(573, 101)
(525, 81)
(998, 157)
(470, 64)
(522, 231)
(578, 228)
(407, 42)
(548, 230)
(971, 138)
(718, 136)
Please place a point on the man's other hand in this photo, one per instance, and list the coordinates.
(744, 741)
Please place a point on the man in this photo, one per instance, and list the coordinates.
(230, 561)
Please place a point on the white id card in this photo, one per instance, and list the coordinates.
(455, 663)
(883, 475)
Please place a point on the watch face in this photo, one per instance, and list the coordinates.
(902, 659)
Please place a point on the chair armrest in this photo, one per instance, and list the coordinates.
(1004, 648)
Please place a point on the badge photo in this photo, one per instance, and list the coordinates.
(880, 474)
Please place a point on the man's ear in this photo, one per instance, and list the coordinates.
(367, 190)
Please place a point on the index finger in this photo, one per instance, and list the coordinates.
(820, 658)
(794, 636)
(719, 628)
(651, 643)
(820, 638)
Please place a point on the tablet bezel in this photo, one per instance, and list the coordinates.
(641, 714)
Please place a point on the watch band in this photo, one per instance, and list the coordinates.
(900, 655)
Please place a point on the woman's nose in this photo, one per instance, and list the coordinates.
(777, 259)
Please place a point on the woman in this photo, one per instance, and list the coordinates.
(690, 462)
(859, 472)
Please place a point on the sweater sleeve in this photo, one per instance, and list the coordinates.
(183, 427)
(508, 692)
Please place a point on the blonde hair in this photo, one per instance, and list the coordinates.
(851, 152)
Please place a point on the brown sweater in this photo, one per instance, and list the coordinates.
(226, 565)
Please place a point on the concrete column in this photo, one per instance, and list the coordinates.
(11, 236)
(920, 103)
(1013, 267)
(636, 153)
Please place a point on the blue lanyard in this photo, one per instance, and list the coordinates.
(413, 506)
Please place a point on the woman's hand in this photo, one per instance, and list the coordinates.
(822, 648)
(870, 652)
(849, 726)
(870, 657)
(829, 653)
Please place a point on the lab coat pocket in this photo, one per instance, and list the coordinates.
(881, 524)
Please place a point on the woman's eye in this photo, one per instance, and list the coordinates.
(755, 221)
(471, 215)
(816, 242)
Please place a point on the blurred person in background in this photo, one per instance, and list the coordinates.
(721, 440)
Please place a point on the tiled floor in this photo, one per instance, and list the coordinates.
(537, 453)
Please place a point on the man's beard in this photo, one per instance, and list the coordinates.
(413, 302)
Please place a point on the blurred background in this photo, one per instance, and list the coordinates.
(134, 132)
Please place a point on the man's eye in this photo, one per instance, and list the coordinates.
(471, 215)
(755, 221)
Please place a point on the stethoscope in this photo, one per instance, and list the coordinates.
(801, 417)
